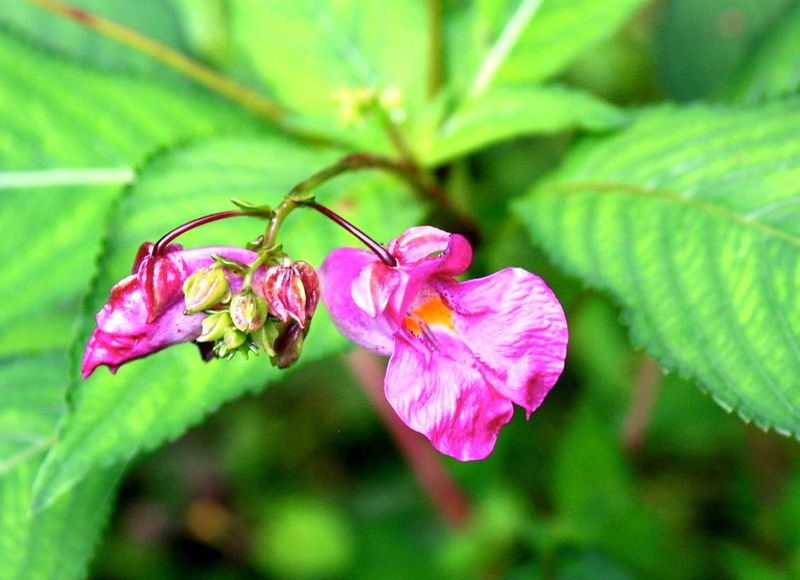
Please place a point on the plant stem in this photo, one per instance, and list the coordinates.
(645, 391)
(435, 48)
(374, 246)
(279, 215)
(209, 78)
(358, 162)
(251, 270)
(406, 171)
(301, 195)
(207, 219)
(396, 137)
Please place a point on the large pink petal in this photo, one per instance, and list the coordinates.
(337, 274)
(442, 393)
(516, 327)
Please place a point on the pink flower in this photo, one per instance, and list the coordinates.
(461, 352)
(144, 312)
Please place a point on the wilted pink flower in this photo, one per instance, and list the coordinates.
(461, 352)
(144, 312)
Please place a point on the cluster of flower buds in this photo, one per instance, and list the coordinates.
(212, 296)
(273, 314)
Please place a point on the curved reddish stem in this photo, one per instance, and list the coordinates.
(167, 238)
(374, 246)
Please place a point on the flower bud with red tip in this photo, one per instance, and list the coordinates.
(160, 275)
(248, 311)
(291, 291)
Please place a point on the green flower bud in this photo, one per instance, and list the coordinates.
(205, 288)
(214, 326)
(265, 337)
(232, 339)
(248, 311)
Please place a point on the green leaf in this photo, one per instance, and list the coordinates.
(509, 112)
(743, 562)
(154, 400)
(773, 70)
(31, 402)
(70, 140)
(529, 41)
(597, 503)
(48, 258)
(507, 47)
(699, 46)
(690, 219)
(308, 50)
(92, 119)
(157, 19)
(57, 542)
(603, 510)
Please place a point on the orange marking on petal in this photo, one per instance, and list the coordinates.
(432, 312)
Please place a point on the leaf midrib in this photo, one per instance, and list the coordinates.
(713, 210)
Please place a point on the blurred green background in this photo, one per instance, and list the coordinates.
(624, 472)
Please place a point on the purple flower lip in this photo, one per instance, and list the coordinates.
(461, 353)
(144, 312)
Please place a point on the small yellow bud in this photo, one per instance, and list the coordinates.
(354, 104)
(214, 326)
(391, 100)
(205, 288)
(232, 339)
(265, 337)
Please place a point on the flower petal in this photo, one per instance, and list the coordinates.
(374, 286)
(126, 329)
(418, 243)
(442, 252)
(123, 333)
(337, 274)
(454, 260)
(160, 277)
(456, 257)
(443, 394)
(516, 327)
